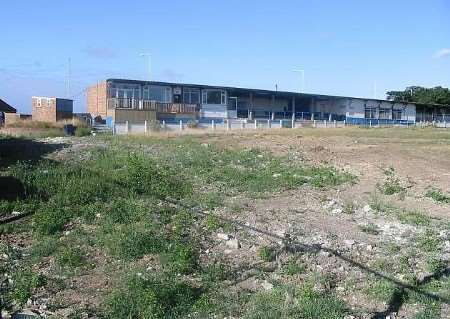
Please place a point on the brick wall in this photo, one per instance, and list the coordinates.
(96, 99)
(43, 109)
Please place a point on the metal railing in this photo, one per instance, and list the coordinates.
(148, 105)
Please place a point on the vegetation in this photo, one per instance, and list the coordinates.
(436, 95)
(267, 254)
(438, 195)
(131, 205)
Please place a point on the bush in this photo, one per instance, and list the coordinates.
(151, 298)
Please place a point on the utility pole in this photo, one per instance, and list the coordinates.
(147, 55)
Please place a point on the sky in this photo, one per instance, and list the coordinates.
(347, 47)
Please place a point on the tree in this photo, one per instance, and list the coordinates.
(418, 94)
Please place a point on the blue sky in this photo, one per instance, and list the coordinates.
(343, 46)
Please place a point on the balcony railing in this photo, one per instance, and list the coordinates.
(147, 105)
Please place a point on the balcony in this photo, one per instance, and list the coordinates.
(147, 105)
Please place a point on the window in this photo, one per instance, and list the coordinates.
(191, 96)
(397, 114)
(370, 112)
(156, 93)
(214, 97)
(384, 113)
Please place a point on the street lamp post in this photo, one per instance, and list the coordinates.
(147, 55)
(302, 72)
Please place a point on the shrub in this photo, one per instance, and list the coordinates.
(370, 228)
(153, 297)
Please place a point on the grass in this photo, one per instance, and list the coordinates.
(381, 289)
(24, 282)
(392, 184)
(151, 297)
(370, 228)
(293, 267)
(118, 201)
(267, 254)
(305, 303)
(438, 195)
(429, 241)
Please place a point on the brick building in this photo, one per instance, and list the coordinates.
(51, 109)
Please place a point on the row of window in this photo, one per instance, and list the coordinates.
(383, 113)
(163, 94)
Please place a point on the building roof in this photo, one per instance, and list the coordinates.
(268, 92)
(5, 107)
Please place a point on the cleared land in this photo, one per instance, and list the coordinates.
(304, 223)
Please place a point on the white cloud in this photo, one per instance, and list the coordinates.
(443, 53)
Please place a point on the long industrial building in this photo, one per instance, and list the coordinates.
(122, 100)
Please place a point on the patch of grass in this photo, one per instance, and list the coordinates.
(304, 303)
(429, 241)
(381, 289)
(392, 184)
(24, 282)
(435, 264)
(266, 253)
(438, 195)
(293, 267)
(349, 207)
(213, 273)
(44, 247)
(132, 241)
(414, 218)
(143, 297)
(213, 223)
(370, 228)
(70, 257)
(82, 131)
(181, 258)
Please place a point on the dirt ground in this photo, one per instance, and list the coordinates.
(327, 230)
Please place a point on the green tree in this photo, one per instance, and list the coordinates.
(418, 94)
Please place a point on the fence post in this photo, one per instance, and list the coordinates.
(228, 125)
(164, 124)
(334, 123)
(314, 123)
(293, 123)
(370, 123)
(325, 122)
(345, 123)
(145, 127)
(242, 125)
(127, 127)
(113, 128)
(181, 125)
(269, 124)
(281, 123)
(256, 124)
(213, 125)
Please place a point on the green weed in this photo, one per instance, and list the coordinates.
(438, 195)
(267, 254)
